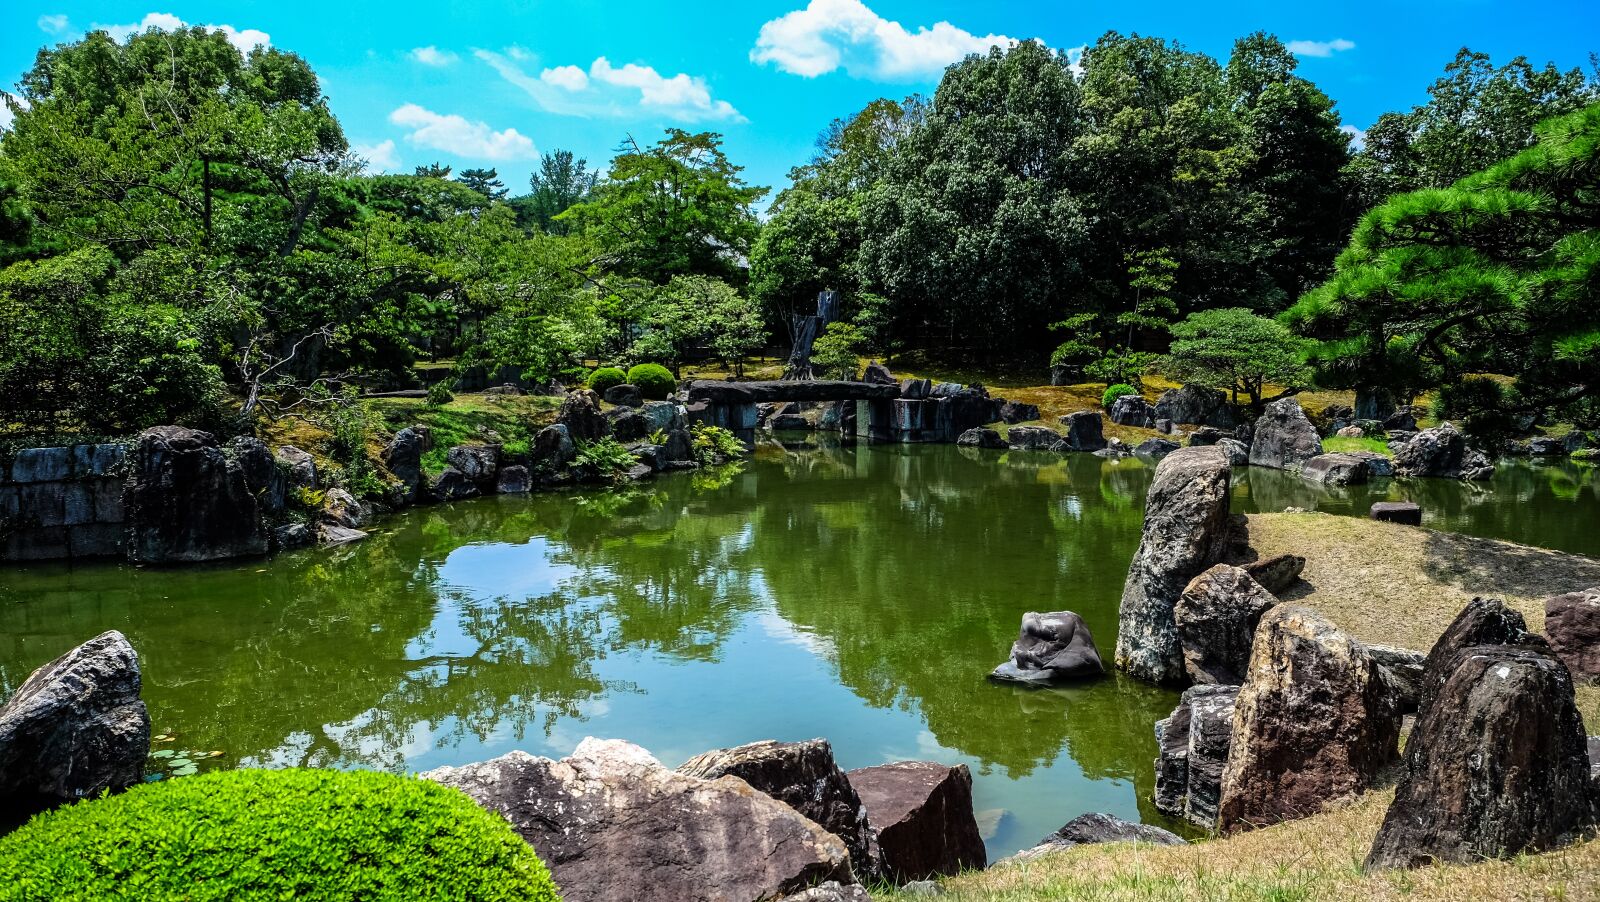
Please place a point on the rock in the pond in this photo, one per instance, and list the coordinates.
(187, 501)
(803, 776)
(612, 823)
(1277, 573)
(1497, 764)
(1379, 466)
(624, 395)
(627, 424)
(1196, 404)
(1115, 448)
(74, 728)
(1193, 742)
(1217, 616)
(981, 437)
(453, 485)
(292, 535)
(663, 416)
(402, 457)
(1207, 435)
(1572, 624)
(1033, 438)
(1013, 412)
(1054, 647)
(334, 534)
(1132, 410)
(261, 474)
(580, 413)
(678, 451)
(553, 448)
(1441, 451)
(1284, 437)
(1186, 530)
(1407, 512)
(1483, 621)
(1093, 828)
(1083, 431)
(923, 814)
(1238, 452)
(1315, 722)
(1336, 469)
(476, 463)
(1156, 447)
(513, 480)
(300, 469)
(342, 508)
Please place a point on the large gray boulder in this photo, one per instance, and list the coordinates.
(1083, 431)
(624, 395)
(981, 437)
(1284, 439)
(188, 501)
(1033, 438)
(1193, 743)
(1484, 621)
(1572, 624)
(1217, 615)
(1094, 828)
(1186, 530)
(803, 776)
(553, 449)
(1132, 410)
(1196, 404)
(1337, 469)
(1315, 722)
(922, 812)
(1441, 451)
(299, 468)
(74, 728)
(261, 474)
(1054, 647)
(402, 457)
(580, 413)
(477, 463)
(1497, 764)
(612, 823)
(1278, 573)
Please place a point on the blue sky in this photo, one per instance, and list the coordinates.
(493, 84)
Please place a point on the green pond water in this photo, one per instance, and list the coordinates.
(860, 594)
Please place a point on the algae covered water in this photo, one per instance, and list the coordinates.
(856, 593)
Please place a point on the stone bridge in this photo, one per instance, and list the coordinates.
(915, 410)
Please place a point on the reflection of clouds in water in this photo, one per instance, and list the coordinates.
(500, 569)
(775, 627)
(569, 731)
(349, 738)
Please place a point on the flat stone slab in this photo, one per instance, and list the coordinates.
(1407, 512)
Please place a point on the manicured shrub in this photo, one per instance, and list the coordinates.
(439, 393)
(1113, 392)
(606, 377)
(654, 380)
(284, 834)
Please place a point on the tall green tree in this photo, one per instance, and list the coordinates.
(561, 181)
(484, 181)
(678, 207)
(1497, 274)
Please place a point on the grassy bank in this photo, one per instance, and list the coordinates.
(1311, 860)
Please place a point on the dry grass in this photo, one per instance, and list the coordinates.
(1318, 858)
(1402, 585)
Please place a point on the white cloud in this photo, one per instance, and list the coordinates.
(380, 157)
(610, 90)
(244, 39)
(1320, 48)
(56, 24)
(1358, 137)
(432, 56)
(570, 78)
(833, 34)
(6, 116)
(457, 135)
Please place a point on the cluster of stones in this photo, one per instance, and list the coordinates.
(63, 502)
(1285, 714)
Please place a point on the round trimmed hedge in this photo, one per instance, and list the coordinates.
(654, 380)
(1113, 392)
(606, 377)
(279, 834)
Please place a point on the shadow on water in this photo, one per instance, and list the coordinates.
(860, 594)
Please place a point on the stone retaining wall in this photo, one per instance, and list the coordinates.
(63, 502)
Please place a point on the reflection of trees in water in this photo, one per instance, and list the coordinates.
(917, 564)
(1548, 504)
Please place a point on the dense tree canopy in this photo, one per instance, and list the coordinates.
(1497, 274)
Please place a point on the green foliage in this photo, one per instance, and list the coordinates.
(1495, 274)
(604, 378)
(834, 355)
(439, 393)
(1236, 351)
(696, 310)
(1113, 392)
(256, 834)
(485, 182)
(606, 457)
(560, 182)
(654, 380)
(714, 445)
